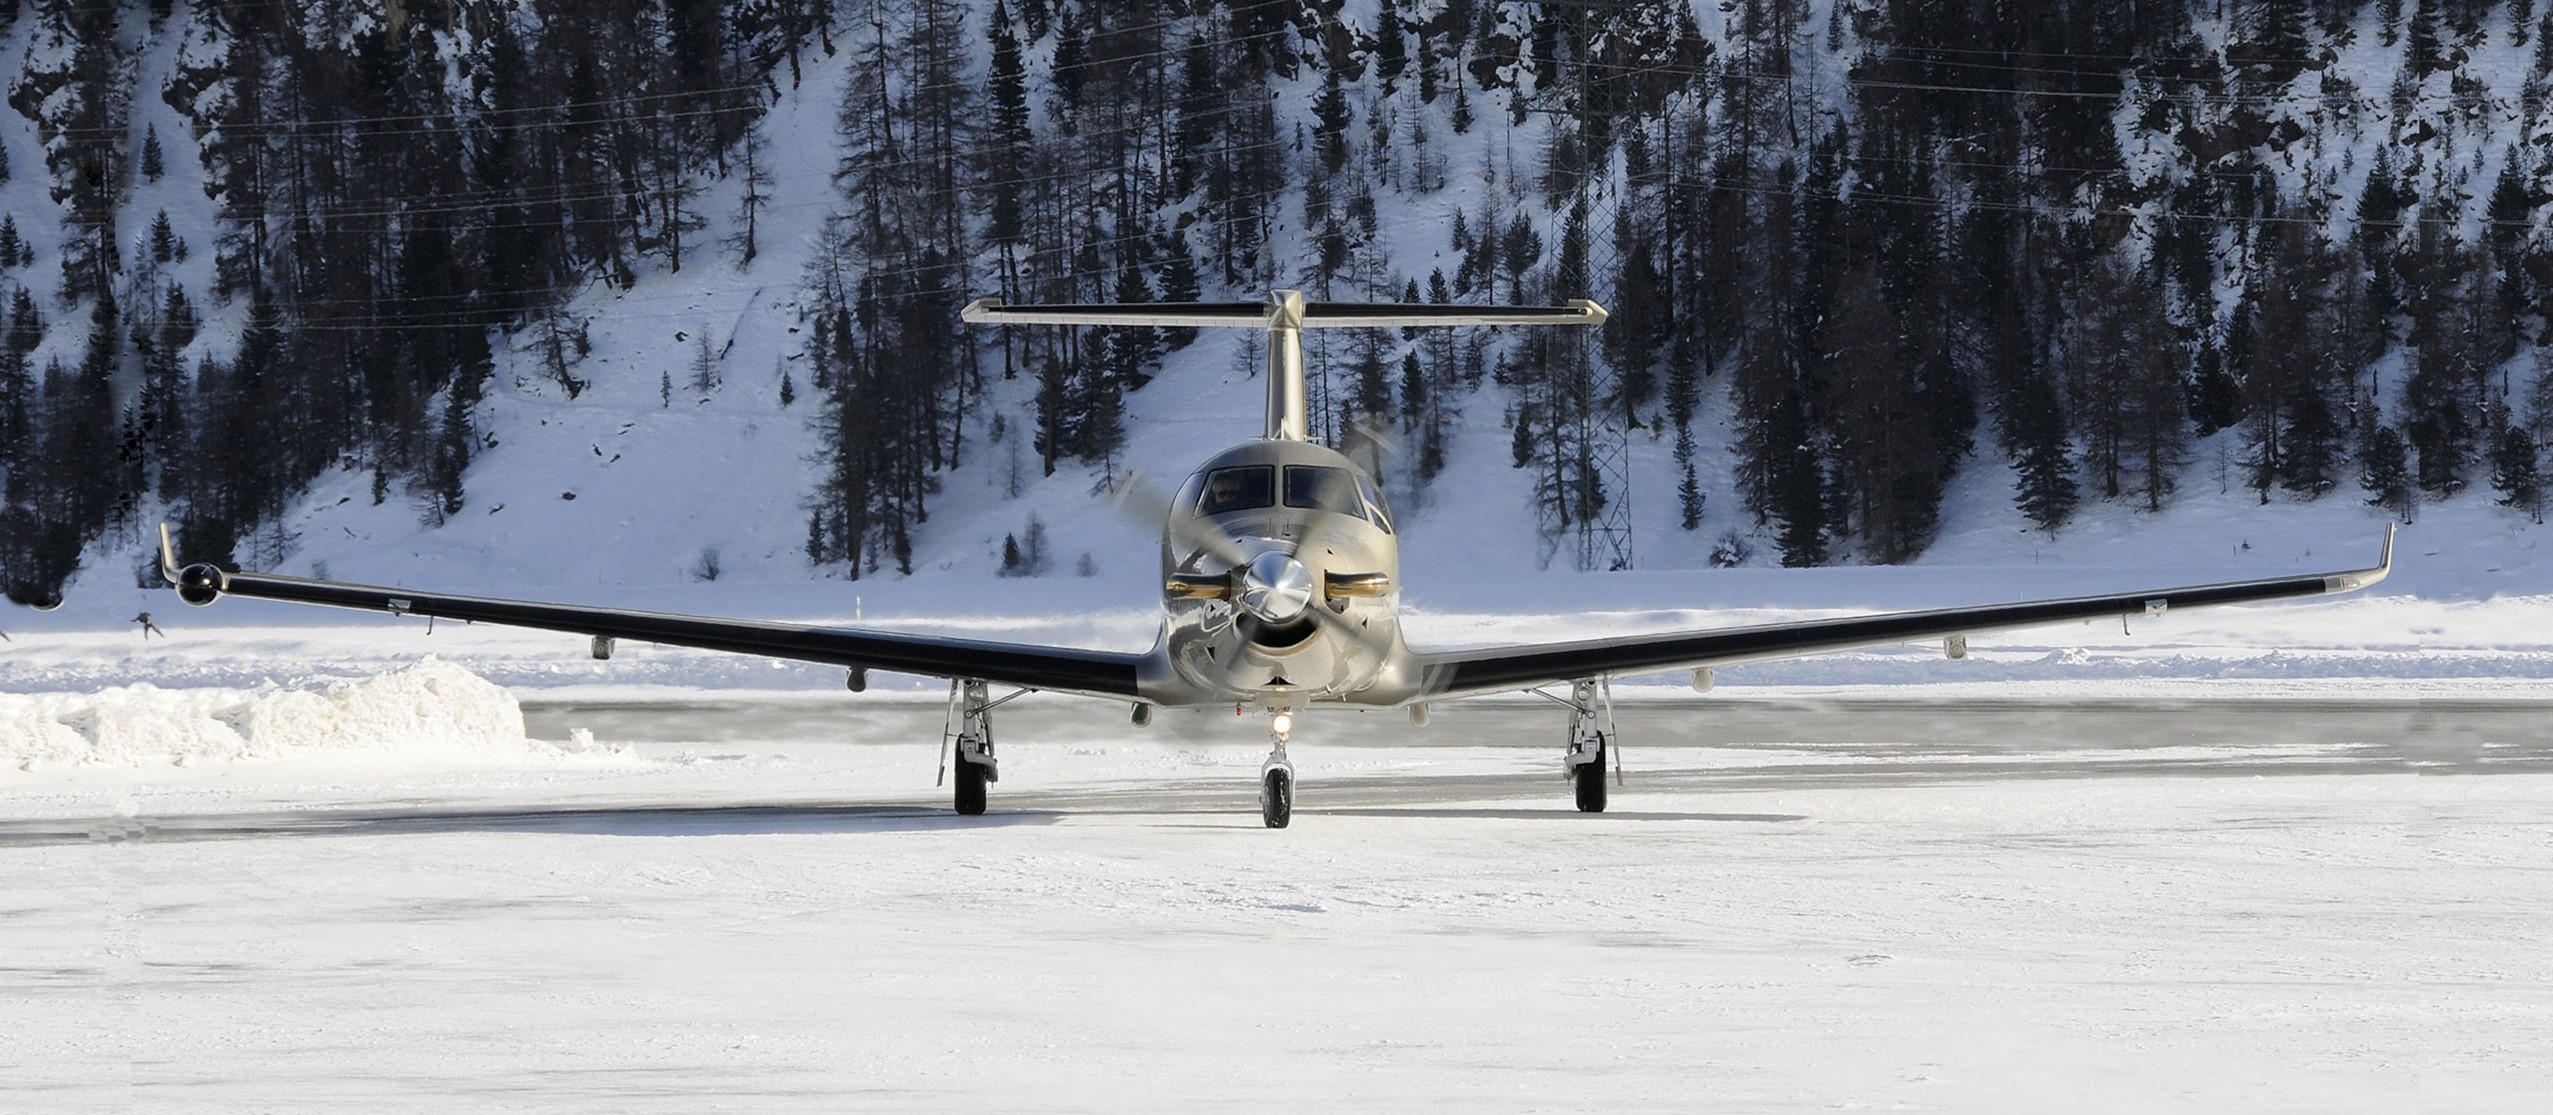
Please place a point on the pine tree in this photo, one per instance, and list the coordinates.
(1391, 55)
(2044, 478)
(1132, 350)
(451, 455)
(2386, 472)
(2422, 55)
(12, 246)
(1519, 250)
(704, 364)
(2312, 440)
(1688, 492)
(26, 323)
(753, 172)
(1032, 550)
(1179, 283)
(17, 406)
(151, 163)
(1796, 485)
(163, 239)
(2515, 473)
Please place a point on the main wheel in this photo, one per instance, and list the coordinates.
(970, 788)
(1276, 798)
(1588, 780)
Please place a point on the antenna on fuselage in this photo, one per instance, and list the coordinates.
(1285, 315)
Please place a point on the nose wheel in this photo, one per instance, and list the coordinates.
(1276, 775)
(1276, 798)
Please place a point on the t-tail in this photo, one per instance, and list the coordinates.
(1285, 315)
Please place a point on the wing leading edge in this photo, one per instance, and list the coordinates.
(1097, 673)
(1458, 673)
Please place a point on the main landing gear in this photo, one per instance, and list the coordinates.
(1590, 740)
(1276, 775)
(970, 728)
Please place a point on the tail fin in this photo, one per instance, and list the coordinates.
(1284, 315)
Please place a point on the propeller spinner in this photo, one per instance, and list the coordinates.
(1276, 587)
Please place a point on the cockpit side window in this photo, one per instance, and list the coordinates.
(1323, 487)
(1374, 503)
(1185, 503)
(1239, 488)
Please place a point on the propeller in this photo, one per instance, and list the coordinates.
(1272, 588)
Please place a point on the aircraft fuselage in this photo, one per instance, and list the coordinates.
(1281, 580)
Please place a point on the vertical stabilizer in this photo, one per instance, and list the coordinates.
(1289, 416)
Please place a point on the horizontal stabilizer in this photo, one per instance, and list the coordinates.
(1316, 315)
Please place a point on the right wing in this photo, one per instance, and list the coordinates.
(1092, 672)
(1493, 669)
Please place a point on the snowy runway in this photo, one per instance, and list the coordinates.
(1895, 905)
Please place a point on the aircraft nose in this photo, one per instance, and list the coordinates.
(1276, 588)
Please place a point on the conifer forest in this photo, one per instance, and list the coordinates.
(1853, 249)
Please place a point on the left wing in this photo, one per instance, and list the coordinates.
(1466, 672)
(1092, 672)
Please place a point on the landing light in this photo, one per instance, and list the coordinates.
(1282, 723)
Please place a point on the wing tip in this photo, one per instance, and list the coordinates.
(2361, 578)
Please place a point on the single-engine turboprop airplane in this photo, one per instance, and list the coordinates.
(1280, 581)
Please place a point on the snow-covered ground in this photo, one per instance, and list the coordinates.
(762, 904)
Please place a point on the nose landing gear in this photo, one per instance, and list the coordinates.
(1276, 775)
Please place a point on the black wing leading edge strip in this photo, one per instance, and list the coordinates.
(1488, 670)
(1099, 673)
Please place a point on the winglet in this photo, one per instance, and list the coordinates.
(2358, 579)
(168, 557)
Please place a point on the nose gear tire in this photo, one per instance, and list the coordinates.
(1276, 798)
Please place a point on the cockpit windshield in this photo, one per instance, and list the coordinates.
(1323, 487)
(1239, 488)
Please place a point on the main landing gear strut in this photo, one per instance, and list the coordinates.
(1590, 740)
(970, 728)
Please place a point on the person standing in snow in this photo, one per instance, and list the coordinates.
(148, 628)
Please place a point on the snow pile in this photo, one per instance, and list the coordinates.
(432, 710)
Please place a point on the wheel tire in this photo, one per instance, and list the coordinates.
(1588, 781)
(1276, 799)
(970, 789)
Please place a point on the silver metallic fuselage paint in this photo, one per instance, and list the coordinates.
(1217, 650)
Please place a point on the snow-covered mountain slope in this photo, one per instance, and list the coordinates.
(628, 492)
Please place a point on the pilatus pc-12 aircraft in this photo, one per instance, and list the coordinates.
(1280, 578)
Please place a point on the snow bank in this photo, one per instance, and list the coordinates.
(432, 710)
